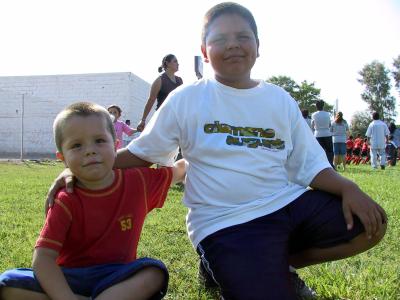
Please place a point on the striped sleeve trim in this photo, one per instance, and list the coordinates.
(66, 209)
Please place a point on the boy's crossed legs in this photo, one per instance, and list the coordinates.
(146, 280)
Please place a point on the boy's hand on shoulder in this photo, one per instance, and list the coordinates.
(65, 179)
(371, 214)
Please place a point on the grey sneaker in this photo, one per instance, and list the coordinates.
(303, 292)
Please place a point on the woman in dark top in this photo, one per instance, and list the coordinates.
(162, 86)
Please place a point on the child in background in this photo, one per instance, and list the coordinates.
(349, 149)
(391, 151)
(87, 247)
(365, 151)
(120, 127)
(357, 149)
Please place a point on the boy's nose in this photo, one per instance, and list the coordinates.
(90, 150)
(232, 43)
(88, 153)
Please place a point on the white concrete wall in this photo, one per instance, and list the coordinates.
(45, 96)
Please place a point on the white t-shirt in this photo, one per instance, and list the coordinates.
(339, 131)
(250, 152)
(377, 132)
(321, 123)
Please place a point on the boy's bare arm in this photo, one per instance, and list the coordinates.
(179, 171)
(50, 275)
(125, 159)
(354, 201)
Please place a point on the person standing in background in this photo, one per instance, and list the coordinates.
(378, 133)
(162, 86)
(321, 124)
(306, 117)
(395, 132)
(339, 131)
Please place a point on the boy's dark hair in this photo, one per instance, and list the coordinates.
(390, 137)
(228, 8)
(392, 127)
(350, 137)
(166, 59)
(116, 107)
(375, 115)
(320, 104)
(81, 109)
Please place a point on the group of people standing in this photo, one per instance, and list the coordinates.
(330, 135)
(262, 197)
(333, 137)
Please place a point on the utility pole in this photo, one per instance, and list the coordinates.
(198, 66)
(22, 127)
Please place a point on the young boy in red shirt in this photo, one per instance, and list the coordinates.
(87, 246)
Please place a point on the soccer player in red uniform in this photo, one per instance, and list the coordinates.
(357, 149)
(349, 149)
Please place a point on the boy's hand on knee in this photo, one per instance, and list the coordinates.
(65, 179)
(371, 214)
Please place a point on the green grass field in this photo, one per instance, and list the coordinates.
(371, 275)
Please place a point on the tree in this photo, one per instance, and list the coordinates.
(360, 122)
(396, 72)
(306, 94)
(287, 83)
(374, 77)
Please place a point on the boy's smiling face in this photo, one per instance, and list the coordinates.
(88, 149)
(232, 49)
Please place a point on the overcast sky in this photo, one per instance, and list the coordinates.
(323, 41)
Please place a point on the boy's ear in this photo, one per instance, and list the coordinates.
(60, 156)
(204, 51)
(258, 48)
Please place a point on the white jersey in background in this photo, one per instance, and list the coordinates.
(377, 132)
(321, 123)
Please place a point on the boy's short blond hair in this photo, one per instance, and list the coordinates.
(81, 109)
